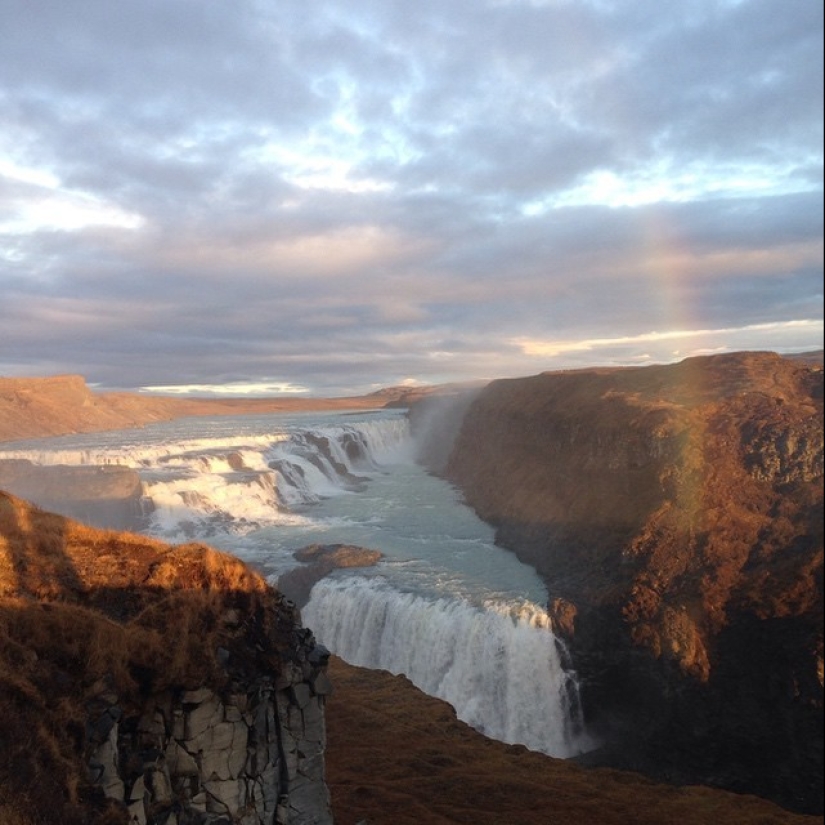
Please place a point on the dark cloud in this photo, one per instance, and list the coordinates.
(344, 196)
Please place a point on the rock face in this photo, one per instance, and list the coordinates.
(675, 513)
(320, 560)
(253, 755)
(151, 684)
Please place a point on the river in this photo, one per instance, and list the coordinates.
(463, 619)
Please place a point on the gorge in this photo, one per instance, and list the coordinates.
(674, 514)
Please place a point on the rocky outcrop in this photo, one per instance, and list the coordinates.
(675, 513)
(145, 683)
(320, 560)
(252, 755)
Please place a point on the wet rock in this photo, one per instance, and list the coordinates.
(319, 561)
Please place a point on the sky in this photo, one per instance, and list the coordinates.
(326, 198)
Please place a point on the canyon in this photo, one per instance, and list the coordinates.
(674, 512)
(170, 685)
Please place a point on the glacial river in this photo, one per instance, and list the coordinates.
(461, 618)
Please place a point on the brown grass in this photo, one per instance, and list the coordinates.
(398, 757)
(83, 611)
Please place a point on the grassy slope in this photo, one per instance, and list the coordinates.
(84, 611)
(399, 757)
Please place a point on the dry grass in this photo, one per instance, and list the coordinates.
(85, 610)
(398, 757)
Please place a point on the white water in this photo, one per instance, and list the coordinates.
(460, 617)
(499, 668)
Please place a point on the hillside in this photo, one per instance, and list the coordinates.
(675, 513)
(396, 756)
(115, 645)
(142, 682)
(62, 404)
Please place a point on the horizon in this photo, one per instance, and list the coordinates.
(253, 392)
(236, 200)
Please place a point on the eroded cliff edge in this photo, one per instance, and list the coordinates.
(152, 684)
(675, 513)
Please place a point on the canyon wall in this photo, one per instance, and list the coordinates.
(151, 684)
(145, 683)
(675, 513)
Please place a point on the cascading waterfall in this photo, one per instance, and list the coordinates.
(234, 483)
(446, 607)
(501, 670)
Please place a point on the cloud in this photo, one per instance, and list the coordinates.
(205, 194)
(550, 349)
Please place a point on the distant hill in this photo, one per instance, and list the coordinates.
(815, 357)
(63, 404)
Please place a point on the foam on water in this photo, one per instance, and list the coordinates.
(456, 614)
(225, 482)
(500, 668)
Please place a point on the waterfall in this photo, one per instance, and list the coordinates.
(198, 487)
(500, 667)
(456, 614)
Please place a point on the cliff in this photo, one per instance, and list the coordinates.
(149, 683)
(675, 513)
(60, 404)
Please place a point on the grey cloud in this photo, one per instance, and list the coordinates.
(155, 60)
(739, 78)
(340, 196)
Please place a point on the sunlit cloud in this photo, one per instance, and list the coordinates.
(68, 211)
(217, 194)
(46, 204)
(669, 182)
(39, 177)
(229, 389)
(551, 348)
